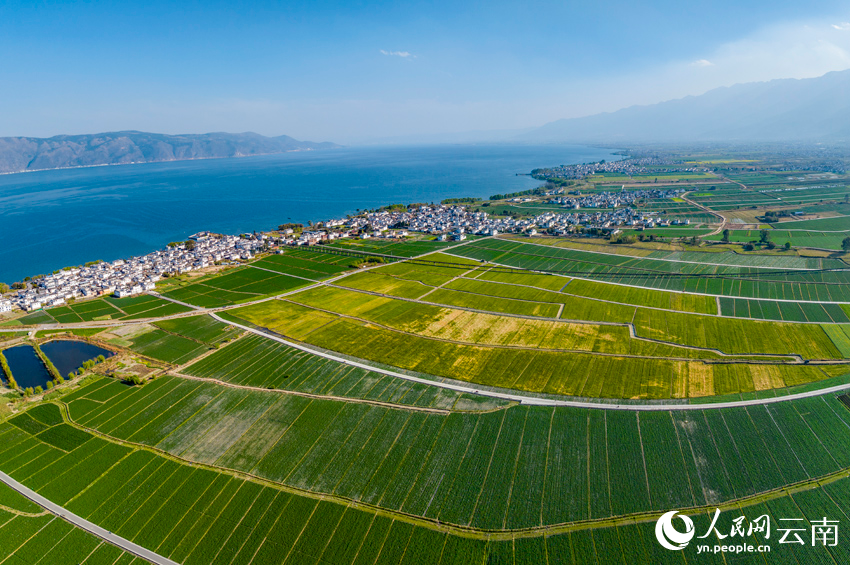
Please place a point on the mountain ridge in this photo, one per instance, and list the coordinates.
(20, 154)
(777, 110)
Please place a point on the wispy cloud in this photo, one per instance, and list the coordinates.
(402, 54)
(844, 26)
(702, 63)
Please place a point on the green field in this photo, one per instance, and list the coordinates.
(394, 458)
(400, 248)
(781, 279)
(539, 370)
(109, 308)
(255, 361)
(177, 340)
(241, 284)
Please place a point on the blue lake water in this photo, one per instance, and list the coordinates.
(53, 219)
(68, 355)
(26, 367)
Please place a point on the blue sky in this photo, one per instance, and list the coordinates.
(359, 71)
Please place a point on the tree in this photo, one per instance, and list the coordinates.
(49, 385)
(771, 245)
(748, 247)
(101, 358)
(725, 236)
(71, 376)
(764, 236)
(787, 246)
(845, 244)
(4, 288)
(190, 244)
(38, 390)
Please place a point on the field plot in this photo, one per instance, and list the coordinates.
(237, 285)
(306, 264)
(691, 277)
(643, 297)
(816, 239)
(484, 328)
(38, 537)
(399, 248)
(159, 344)
(736, 336)
(259, 362)
(108, 308)
(786, 311)
(491, 469)
(573, 374)
(199, 516)
(205, 329)
(837, 223)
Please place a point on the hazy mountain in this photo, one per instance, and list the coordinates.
(778, 110)
(32, 153)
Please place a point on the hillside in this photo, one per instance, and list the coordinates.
(32, 153)
(779, 110)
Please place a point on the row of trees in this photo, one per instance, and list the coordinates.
(764, 239)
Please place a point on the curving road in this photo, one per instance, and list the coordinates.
(84, 524)
(533, 400)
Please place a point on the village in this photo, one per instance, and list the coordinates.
(635, 166)
(128, 277)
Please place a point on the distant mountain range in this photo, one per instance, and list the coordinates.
(815, 109)
(33, 153)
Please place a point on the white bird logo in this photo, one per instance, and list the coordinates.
(667, 534)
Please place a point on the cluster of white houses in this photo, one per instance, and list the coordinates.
(139, 274)
(613, 199)
(455, 222)
(624, 166)
(133, 276)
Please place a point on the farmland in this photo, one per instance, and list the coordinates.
(174, 341)
(315, 459)
(100, 309)
(538, 370)
(255, 361)
(513, 399)
(390, 457)
(241, 284)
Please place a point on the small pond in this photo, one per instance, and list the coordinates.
(68, 355)
(26, 367)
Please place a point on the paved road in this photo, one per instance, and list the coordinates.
(538, 401)
(83, 524)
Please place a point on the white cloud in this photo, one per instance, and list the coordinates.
(844, 26)
(402, 54)
(702, 63)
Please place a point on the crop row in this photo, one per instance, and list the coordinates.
(201, 328)
(492, 469)
(198, 516)
(786, 311)
(104, 309)
(485, 328)
(314, 266)
(576, 374)
(166, 347)
(750, 282)
(260, 362)
(238, 285)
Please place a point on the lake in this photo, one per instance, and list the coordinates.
(68, 355)
(26, 366)
(54, 219)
